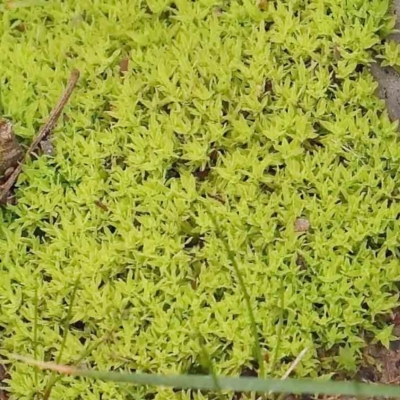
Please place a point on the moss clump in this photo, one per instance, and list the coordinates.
(261, 114)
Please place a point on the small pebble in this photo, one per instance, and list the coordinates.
(47, 147)
(301, 225)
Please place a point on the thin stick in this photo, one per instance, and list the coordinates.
(43, 133)
(295, 363)
(291, 369)
(52, 366)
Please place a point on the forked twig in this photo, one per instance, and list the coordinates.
(43, 133)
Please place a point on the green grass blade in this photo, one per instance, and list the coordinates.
(52, 379)
(279, 330)
(209, 364)
(35, 330)
(246, 295)
(246, 384)
(67, 321)
(239, 384)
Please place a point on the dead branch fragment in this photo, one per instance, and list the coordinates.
(42, 135)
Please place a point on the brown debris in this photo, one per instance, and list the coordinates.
(124, 66)
(395, 320)
(202, 175)
(214, 157)
(386, 368)
(263, 5)
(389, 88)
(21, 27)
(301, 262)
(218, 12)
(10, 151)
(101, 205)
(336, 53)
(217, 197)
(3, 376)
(268, 86)
(194, 284)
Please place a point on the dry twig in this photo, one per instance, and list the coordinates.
(43, 133)
(295, 363)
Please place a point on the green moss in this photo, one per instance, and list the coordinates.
(277, 110)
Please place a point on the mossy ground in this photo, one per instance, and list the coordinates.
(261, 113)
